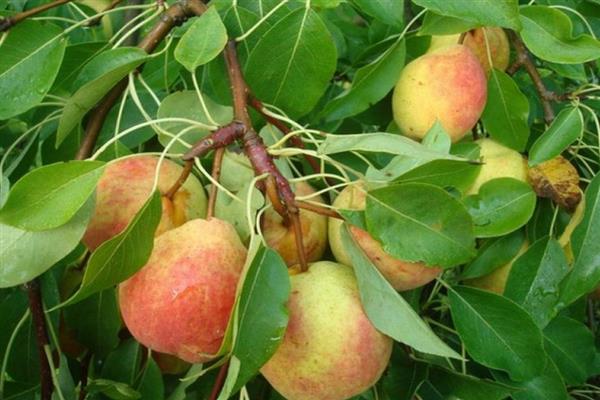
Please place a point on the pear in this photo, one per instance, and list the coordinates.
(402, 275)
(496, 280)
(499, 161)
(476, 41)
(125, 186)
(447, 85)
(330, 351)
(180, 302)
(282, 238)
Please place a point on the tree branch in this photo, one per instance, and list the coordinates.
(9, 22)
(524, 60)
(38, 317)
(214, 393)
(173, 16)
(216, 173)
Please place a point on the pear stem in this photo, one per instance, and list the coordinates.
(187, 169)
(214, 190)
(96, 21)
(219, 381)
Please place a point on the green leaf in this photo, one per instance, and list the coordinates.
(122, 364)
(23, 83)
(504, 13)
(570, 344)
(548, 385)
(96, 79)
(534, 279)
(151, 386)
(548, 33)
(76, 57)
(203, 40)
(187, 105)
(502, 206)
(442, 173)
(390, 12)
(497, 332)
(122, 256)
(387, 310)
(64, 380)
(452, 385)
(565, 129)
(27, 254)
(381, 142)
(494, 253)
(585, 274)
(302, 61)
(403, 377)
(95, 322)
(49, 196)
(435, 24)
(441, 231)
(371, 83)
(112, 389)
(261, 314)
(506, 111)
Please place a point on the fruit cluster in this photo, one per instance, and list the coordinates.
(180, 302)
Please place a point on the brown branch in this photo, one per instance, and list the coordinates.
(9, 22)
(295, 140)
(524, 60)
(187, 170)
(319, 210)
(216, 173)
(256, 150)
(173, 16)
(214, 393)
(39, 322)
(96, 21)
(222, 137)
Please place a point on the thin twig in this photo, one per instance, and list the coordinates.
(524, 60)
(256, 150)
(319, 210)
(185, 172)
(216, 173)
(219, 381)
(41, 333)
(85, 368)
(9, 22)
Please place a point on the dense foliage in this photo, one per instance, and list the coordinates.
(249, 96)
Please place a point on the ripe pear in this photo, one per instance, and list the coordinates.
(448, 85)
(180, 302)
(495, 281)
(499, 162)
(282, 239)
(402, 275)
(125, 186)
(330, 351)
(476, 41)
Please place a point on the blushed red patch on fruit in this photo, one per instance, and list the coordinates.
(181, 301)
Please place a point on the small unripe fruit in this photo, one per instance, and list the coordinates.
(282, 238)
(125, 186)
(402, 275)
(180, 302)
(498, 162)
(330, 351)
(447, 85)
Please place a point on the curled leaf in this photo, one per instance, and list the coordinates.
(557, 179)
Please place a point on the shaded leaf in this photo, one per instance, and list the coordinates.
(504, 13)
(441, 228)
(534, 279)
(27, 254)
(452, 385)
(49, 196)
(497, 332)
(303, 60)
(493, 254)
(565, 129)
(502, 206)
(548, 385)
(387, 310)
(506, 111)
(390, 12)
(123, 255)
(28, 46)
(203, 41)
(548, 33)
